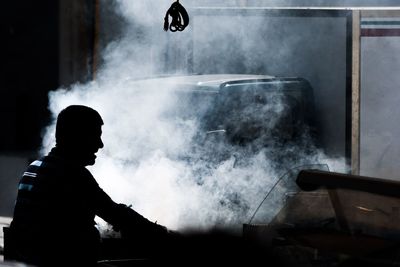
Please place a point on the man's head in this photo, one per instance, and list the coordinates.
(78, 132)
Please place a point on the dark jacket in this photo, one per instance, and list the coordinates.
(55, 209)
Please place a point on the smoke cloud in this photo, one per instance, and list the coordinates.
(157, 156)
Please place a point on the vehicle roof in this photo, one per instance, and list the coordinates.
(208, 82)
(215, 79)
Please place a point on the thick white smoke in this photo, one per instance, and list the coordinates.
(153, 159)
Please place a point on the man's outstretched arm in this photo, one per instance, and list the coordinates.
(125, 219)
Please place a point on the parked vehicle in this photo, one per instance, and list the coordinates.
(242, 112)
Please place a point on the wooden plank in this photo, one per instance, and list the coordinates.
(355, 95)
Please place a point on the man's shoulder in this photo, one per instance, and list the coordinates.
(53, 165)
(46, 163)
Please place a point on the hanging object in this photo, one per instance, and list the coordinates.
(180, 18)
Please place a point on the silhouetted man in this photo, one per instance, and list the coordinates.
(58, 198)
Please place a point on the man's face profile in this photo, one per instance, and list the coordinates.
(78, 133)
(90, 144)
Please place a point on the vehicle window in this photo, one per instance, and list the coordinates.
(191, 104)
(273, 112)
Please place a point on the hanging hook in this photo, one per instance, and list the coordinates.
(179, 15)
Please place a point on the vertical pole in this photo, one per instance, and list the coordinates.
(96, 30)
(355, 94)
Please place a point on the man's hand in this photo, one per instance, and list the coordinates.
(133, 225)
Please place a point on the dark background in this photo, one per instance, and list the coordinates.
(44, 45)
